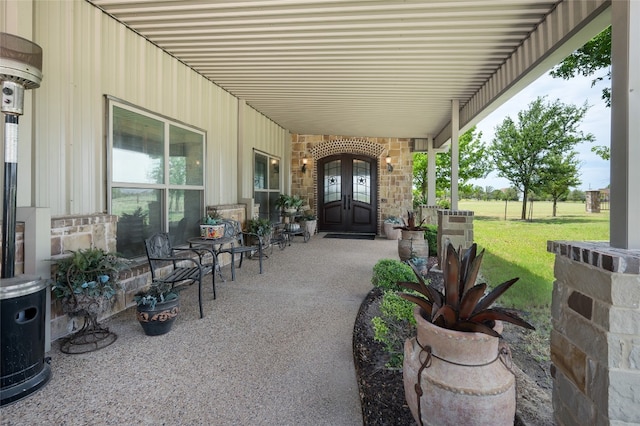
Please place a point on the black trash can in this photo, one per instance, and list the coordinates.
(23, 369)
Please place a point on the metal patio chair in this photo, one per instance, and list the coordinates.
(161, 254)
(233, 229)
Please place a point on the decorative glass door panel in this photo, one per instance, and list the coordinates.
(348, 193)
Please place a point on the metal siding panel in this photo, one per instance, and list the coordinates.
(87, 55)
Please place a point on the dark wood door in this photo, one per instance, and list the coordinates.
(347, 193)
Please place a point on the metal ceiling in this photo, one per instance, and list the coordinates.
(353, 68)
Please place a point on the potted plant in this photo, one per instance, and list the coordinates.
(85, 281)
(309, 222)
(390, 227)
(157, 308)
(262, 229)
(211, 226)
(288, 205)
(455, 370)
(412, 242)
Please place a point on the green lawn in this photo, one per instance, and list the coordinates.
(516, 248)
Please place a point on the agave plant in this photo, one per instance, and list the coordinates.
(462, 306)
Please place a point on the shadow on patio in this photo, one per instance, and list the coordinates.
(274, 348)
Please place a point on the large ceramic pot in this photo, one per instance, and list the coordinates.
(158, 320)
(462, 377)
(412, 244)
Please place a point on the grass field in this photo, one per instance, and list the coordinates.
(516, 248)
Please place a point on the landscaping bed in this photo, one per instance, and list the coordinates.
(382, 392)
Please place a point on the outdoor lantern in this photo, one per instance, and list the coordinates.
(388, 161)
(304, 164)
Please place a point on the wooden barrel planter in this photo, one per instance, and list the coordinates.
(461, 376)
(412, 244)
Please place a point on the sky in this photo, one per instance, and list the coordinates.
(594, 171)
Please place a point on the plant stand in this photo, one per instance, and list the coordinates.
(91, 337)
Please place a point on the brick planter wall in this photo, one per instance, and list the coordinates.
(595, 340)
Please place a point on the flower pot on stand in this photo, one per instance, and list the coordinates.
(158, 319)
(454, 377)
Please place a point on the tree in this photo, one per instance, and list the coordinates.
(590, 59)
(522, 151)
(560, 174)
(473, 164)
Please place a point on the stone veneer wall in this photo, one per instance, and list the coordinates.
(394, 188)
(455, 226)
(18, 267)
(81, 232)
(595, 340)
(429, 214)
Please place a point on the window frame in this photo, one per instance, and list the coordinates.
(166, 187)
(275, 192)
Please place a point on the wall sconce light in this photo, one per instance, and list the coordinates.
(304, 164)
(388, 161)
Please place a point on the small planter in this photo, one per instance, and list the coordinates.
(158, 320)
(390, 233)
(210, 232)
(310, 226)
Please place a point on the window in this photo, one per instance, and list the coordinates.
(156, 177)
(266, 184)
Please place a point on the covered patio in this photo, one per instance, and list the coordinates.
(273, 349)
(287, 80)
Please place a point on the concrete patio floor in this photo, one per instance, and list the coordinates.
(273, 349)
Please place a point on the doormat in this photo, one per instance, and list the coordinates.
(351, 236)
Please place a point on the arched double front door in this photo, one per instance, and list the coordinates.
(347, 197)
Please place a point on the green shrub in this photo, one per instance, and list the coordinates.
(387, 272)
(394, 306)
(394, 326)
(431, 235)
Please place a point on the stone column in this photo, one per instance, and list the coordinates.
(429, 214)
(595, 341)
(455, 226)
(592, 201)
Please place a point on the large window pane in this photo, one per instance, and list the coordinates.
(138, 148)
(138, 212)
(184, 214)
(260, 172)
(186, 157)
(274, 174)
(266, 184)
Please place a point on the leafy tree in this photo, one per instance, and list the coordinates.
(523, 151)
(510, 194)
(473, 164)
(591, 59)
(576, 195)
(560, 174)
